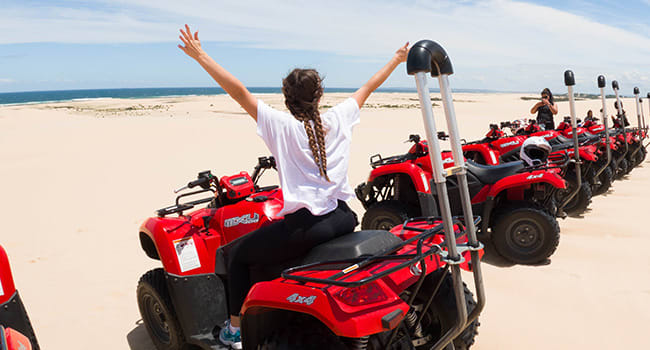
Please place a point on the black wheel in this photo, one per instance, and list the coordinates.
(442, 313)
(642, 153)
(606, 178)
(622, 169)
(302, 334)
(580, 201)
(384, 216)
(639, 157)
(158, 313)
(525, 234)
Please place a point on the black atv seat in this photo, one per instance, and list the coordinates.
(349, 246)
(489, 174)
(352, 245)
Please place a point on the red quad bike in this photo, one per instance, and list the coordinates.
(517, 203)
(370, 289)
(16, 332)
(497, 148)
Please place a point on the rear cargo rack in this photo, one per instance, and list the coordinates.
(411, 259)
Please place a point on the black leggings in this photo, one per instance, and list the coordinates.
(281, 241)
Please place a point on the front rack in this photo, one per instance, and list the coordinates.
(411, 259)
(377, 160)
(181, 207)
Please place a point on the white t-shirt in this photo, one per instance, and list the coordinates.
(302, 184)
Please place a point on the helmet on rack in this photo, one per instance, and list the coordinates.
(535, 151)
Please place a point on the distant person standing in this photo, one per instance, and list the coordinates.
(545, 110)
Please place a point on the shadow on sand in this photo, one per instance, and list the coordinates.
(493, 258)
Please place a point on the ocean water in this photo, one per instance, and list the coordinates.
(68, 95)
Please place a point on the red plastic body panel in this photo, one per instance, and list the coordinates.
(519, 182)
(547, 135)
(490, 156)
(507, 144)
(173, 234)
(419, 177)
(14, 340)
(7, 287)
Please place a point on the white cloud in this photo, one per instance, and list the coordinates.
(488, 38)
(6, 80)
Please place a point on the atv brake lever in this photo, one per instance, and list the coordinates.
(181, 189)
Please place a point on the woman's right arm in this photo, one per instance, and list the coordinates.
(535, 107)
(227, 81)
(362, 94)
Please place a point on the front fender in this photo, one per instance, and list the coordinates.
(490, 156)
(525, 180)
(182, 248)
(419, 177)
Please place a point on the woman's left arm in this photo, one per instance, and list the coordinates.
(553, 108)
(227, 81)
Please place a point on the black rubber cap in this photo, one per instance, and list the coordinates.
(427, 56)
(601, 81)
(648, 94)
(636, 90)
(569, 79)
(615, 85)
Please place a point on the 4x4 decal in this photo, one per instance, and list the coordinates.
(296, 298)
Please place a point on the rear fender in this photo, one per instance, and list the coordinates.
(343, 320)
(419, 177)
(520, 182)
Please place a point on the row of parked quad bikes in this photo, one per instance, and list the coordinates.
(396, 284)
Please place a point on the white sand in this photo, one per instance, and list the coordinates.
(77, 183)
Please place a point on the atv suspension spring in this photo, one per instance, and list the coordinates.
(411, 320)
(357, 343)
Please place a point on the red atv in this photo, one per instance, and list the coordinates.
(497, 148)
(363, 290)
(16, 332)
(516, 203)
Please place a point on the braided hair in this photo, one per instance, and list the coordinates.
(302, 91)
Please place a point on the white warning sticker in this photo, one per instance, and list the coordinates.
(188, 257)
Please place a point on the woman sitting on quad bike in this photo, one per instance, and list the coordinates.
(545, 110)
(312, 154)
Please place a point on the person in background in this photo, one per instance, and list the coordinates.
(545, 109)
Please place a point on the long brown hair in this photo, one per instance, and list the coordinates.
(302, 91)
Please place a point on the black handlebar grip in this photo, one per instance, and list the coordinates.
(636, 90)
(196, 182)
(429, 57)
(601, 81)
(569, 79)
(614, 84)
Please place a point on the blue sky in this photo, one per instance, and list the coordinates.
(494, 44)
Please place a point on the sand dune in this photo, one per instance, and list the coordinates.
(79, 177)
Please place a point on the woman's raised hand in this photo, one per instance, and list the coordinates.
(192, 43)
(402, 52)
